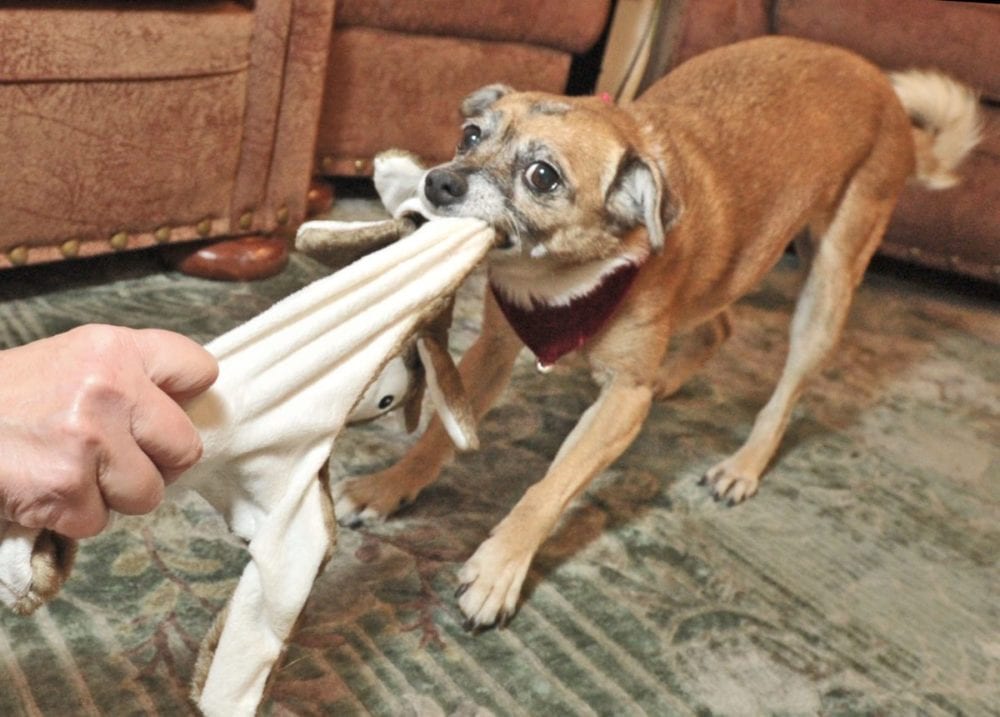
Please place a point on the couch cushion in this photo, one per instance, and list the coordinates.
(960, 38)
(571, 27)
(51, 41)
(956, 229)
(421, 113)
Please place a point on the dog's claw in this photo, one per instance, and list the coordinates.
(355, 522)
(460, 591)
(503, 620)
(733, 484)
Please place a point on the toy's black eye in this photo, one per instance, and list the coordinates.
(386, 401)
(471, 136)
(542, 177)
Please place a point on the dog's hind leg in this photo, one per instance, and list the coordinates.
(837, 266)
(695, 349)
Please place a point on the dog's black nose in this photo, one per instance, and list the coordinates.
(444, 187)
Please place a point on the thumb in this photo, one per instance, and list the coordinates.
(179, 366)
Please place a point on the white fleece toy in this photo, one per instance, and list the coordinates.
(289, 380)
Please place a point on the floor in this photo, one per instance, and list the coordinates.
(863, 579)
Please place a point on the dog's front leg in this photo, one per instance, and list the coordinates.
(491, 580)
(485, 370)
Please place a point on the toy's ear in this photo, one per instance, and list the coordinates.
(483, 98)
(445, 387)
(638, 195)
(413, 406)
(335, 243)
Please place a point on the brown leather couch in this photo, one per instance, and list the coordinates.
(957, 229)
(135, 123)
(400, 68)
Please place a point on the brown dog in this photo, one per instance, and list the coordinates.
(623, 226)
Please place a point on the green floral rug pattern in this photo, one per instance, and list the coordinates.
(863, 579)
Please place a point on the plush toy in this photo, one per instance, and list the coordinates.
(289, 380)
(425, 363)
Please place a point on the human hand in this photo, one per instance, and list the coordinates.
(90, 421)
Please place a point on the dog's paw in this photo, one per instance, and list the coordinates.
(490, 583)
(732, 482)
(370, 499)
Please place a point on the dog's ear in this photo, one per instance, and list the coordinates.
(638, 195)
(483, 98)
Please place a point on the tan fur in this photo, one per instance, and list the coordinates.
(707, 179)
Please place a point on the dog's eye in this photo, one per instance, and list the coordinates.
(386, 401)
(471, 135)
(542, 177)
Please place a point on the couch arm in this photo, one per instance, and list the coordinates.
(284, 95)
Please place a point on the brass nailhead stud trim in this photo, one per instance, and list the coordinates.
(119, 241)
(162, 235)
(282, 215)
(328, 164)
(70, 249)
(954, 261)
(246, 220)
(359, 165)
(18, 255)
(915, 251)
(204, 227)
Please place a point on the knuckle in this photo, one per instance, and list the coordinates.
(97, 369)
(70, 478)
(100, 339)
(80, 437)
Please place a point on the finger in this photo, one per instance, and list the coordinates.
(175, 363)
(129, 482)
(164, 432)
(86, 516)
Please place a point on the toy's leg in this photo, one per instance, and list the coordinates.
(34, 564)
(485, 370)
(209, 643)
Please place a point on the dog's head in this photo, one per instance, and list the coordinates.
(564, 179)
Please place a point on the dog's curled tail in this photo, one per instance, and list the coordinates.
(947, 123)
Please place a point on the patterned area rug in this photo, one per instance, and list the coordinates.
(863, 578)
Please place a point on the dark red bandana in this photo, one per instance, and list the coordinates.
(551, 332)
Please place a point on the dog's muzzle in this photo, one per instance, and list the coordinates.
(443, 187)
